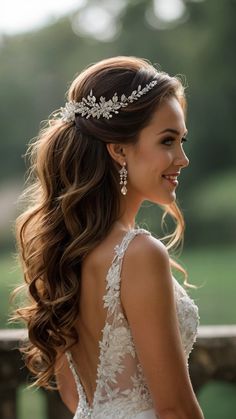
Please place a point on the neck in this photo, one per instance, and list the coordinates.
(129, 209)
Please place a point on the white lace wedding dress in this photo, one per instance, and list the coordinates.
(121, 391)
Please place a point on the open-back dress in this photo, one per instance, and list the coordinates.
(121, 389)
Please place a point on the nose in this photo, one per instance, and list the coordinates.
(182, 160)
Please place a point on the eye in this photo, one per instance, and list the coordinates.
(168, 141)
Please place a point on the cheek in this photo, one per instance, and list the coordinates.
(144, 172)
(139, 171)
(148, 164)
(159, 161)
(164, 159)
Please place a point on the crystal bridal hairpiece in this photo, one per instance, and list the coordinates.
(89, 106)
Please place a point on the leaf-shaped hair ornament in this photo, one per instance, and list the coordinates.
(90, 107)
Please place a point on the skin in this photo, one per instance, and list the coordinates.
(150, 158)
(157, 341)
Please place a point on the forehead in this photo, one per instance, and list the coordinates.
(169, 114)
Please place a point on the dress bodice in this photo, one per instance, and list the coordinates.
(121, 389)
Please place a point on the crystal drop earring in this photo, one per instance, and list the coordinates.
(123, 179)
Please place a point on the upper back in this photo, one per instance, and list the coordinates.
(101, 323)
(94, 272)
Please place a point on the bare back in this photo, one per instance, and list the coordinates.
(92, 315)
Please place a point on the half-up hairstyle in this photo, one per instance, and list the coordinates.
(73, 199)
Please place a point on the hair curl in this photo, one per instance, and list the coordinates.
(73, 199)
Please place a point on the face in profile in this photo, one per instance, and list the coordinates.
(155, 161)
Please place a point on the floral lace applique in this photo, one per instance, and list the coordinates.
(121, 390)
(188, 317)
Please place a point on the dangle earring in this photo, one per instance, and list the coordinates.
(123, 179)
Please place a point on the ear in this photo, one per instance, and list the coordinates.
(117, 152)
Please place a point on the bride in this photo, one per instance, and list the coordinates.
(109, 326)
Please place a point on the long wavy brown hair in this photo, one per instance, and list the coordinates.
(72, 200)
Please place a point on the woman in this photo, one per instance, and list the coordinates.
(106, 317)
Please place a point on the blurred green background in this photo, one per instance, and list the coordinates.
(192, 38)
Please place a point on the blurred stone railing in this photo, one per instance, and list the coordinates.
(213, 358)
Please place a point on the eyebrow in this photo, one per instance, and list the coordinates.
(173, 131)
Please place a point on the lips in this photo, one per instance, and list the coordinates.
(171, 178)
(171, 174)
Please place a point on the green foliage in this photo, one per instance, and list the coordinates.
(213, 204)
(215, 197)
(212, 270)
(11, 277)
(31, 403)
(218, 400)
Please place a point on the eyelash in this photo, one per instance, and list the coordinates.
(184, 139)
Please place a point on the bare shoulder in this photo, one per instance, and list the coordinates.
(148, 247)
(146, 266)
(146, 280)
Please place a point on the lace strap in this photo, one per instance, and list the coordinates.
(83, 402)
(113, 277)
(72, 367)
(121, 248)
